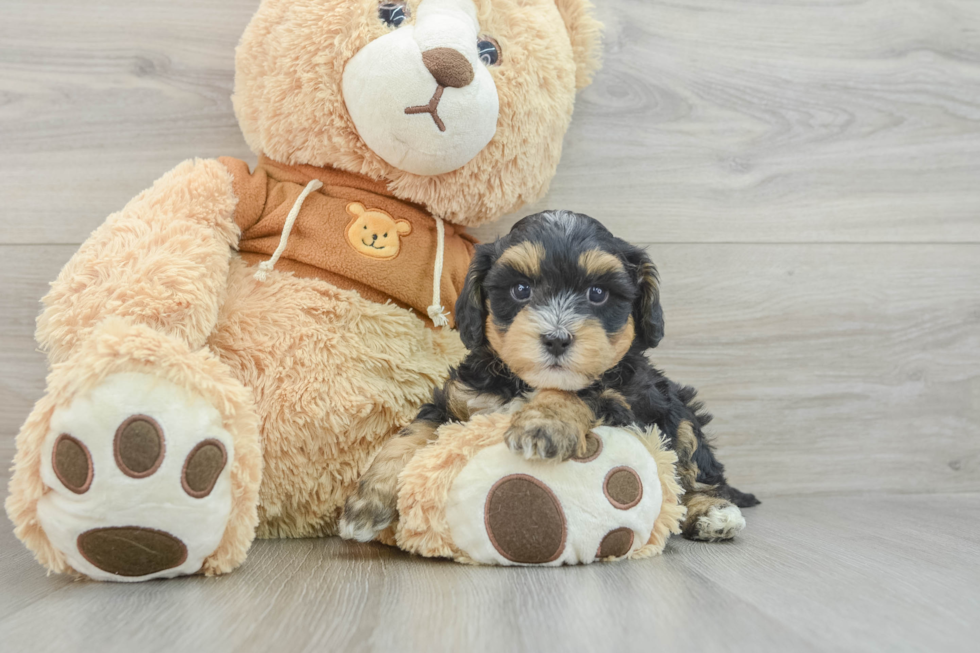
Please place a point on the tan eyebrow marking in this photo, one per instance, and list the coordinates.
(524, 257)
(596, 262)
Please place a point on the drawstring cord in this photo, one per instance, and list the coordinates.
(437, 313)
(263, 272)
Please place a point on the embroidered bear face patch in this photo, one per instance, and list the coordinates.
(374, 233)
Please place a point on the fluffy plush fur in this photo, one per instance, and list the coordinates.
(548, 51)
(313, 377)
(425, 484)
(115, 346)
(558, 316)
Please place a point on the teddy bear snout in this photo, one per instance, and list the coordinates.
(449, 68)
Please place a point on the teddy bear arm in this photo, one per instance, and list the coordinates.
(162, 262)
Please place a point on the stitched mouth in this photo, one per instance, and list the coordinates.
(371, 245)
(431, 108)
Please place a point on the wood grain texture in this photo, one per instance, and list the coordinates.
(713, 120)
(810, 574)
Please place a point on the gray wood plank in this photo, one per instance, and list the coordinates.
(827, 574)
(713, 120)
(830, 368)
(852, 571)
(780, 121)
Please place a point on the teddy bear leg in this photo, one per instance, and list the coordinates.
(142, 461)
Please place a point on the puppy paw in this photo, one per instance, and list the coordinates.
(719, 523)
(366, 514)
(544, 438)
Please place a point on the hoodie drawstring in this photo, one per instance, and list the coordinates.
(264, 267)
(437, 313)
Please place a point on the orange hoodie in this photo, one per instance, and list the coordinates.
(351, 232)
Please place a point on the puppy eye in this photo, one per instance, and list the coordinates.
(393, 14)
(598, 295)
(488, 50)
(521, 291)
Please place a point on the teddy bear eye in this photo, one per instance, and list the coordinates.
(488, 50)
(386, 235)
(393, 14)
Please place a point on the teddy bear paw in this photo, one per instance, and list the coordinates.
(138, 471)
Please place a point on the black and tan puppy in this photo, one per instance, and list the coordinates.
(558, 316)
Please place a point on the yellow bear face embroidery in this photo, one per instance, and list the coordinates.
(374, 233)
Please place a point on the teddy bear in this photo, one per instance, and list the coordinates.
(375, 233)
(228, 352)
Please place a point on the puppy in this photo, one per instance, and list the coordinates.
(558, 316)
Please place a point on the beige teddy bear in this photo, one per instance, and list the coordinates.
(223, 361)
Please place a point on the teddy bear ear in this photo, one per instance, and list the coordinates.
(585, 32)
(355, 209)
(404, 227)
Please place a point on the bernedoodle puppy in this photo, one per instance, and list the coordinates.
(558, 316)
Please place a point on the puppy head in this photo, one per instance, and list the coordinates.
(561, 300)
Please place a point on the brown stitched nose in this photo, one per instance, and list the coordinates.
(448, 66)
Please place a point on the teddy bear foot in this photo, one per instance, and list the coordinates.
(139, 473)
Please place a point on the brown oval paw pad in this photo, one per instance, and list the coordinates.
(202, 468)
(524, 520)
(72, 464)
(623, 487)
(593, 447)
(139, 446)
(131, 550)
(616, 543)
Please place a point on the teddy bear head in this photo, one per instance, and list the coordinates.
(374, 233)
(458, 105)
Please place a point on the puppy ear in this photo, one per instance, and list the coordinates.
(471, 307)
(648, 316)
(585, 33)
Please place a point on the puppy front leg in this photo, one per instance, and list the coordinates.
(372, 508)
(553, 424)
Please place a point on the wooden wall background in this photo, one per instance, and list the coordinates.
(806, 173)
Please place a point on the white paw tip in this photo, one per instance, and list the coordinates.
(349, 531)
(721, 523)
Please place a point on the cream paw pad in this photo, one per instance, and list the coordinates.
(468, 497)
(138, 471)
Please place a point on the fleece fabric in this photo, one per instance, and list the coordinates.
(331, 240)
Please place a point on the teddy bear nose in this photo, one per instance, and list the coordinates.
(374, 236)
(448, 66)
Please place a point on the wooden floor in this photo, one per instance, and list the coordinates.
(807, 176)
(895, 573)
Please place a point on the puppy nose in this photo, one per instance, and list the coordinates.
(556, 345)
(448, 66)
